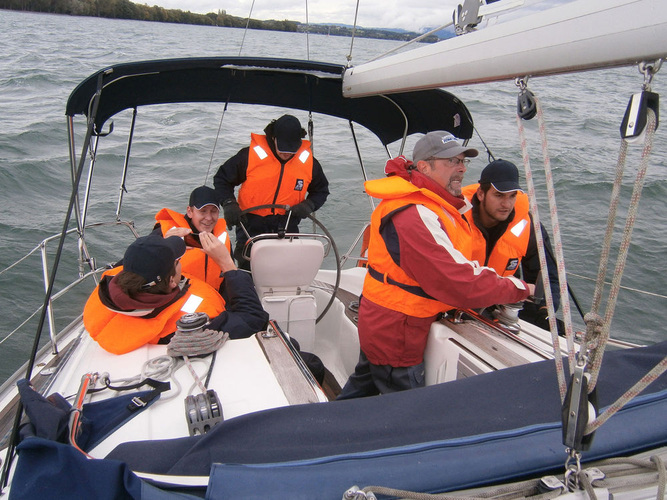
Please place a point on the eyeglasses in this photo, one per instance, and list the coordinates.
(454, 161)
(458, 161)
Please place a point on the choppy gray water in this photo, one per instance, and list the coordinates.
(45, 57)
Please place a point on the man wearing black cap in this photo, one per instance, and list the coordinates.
(503, 233)
(139, 303)
(419, 265)
(277, 168)
(201, 215)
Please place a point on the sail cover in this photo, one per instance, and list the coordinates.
(494, 427)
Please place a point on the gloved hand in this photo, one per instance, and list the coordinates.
(232, 212)
(303, 209)
(542, 318)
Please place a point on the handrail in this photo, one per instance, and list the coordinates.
(42, 247)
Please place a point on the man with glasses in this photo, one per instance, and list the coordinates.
(419, 265)
(139, 302)
(201, 215)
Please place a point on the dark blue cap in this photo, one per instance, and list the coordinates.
(153, 257)
(288, 133)
(203, 196)
(502, 175)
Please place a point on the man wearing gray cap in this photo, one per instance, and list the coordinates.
(419, 265)
(503, 234)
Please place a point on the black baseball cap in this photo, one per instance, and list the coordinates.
(203, 196)
(152, 257)
(502, 175)
(288, 133)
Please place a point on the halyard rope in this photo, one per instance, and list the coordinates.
(597, 354)
(597, 328)
(562, 386)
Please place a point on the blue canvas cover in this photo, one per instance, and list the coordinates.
(488, 428)
(48, 417)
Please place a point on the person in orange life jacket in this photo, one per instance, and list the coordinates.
(139, 303)
(201, 215)
(503, 234)
(418, 265)
(277, 168)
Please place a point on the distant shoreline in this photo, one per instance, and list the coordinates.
(124, 9)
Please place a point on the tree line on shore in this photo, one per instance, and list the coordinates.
(124, 9)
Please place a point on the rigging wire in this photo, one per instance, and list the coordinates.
(307, 34)
(628, 288)
(489, 154)
(252, 6)
(414, 40)
(215, 143)
(354, 32)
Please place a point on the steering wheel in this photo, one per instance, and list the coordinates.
(283, 233)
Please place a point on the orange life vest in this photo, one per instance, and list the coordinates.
(195, 262)
(406, 295)
(268, 182)
(506, 254)
(119, 333)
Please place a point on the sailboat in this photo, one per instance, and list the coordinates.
(507, 408)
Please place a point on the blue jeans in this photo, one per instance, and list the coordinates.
(370, 380)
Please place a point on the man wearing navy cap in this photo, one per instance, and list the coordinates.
(139, 303)
(503, 234)
(277, 168)
(201, 215)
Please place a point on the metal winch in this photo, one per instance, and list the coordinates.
(202, 411)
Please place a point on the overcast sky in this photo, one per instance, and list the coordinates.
(407, 14)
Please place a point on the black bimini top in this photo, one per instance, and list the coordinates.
(305, 85)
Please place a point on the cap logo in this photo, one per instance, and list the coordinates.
(448, 138)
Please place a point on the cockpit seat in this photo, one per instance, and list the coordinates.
(283, 270)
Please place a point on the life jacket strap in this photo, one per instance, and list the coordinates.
(413, 289)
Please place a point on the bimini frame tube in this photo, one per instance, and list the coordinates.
(126, 164)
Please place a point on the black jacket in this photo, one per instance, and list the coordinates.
(243, 315)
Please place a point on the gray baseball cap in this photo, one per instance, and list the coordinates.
(440, 144)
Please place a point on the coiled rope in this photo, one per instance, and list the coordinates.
(197, 342)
